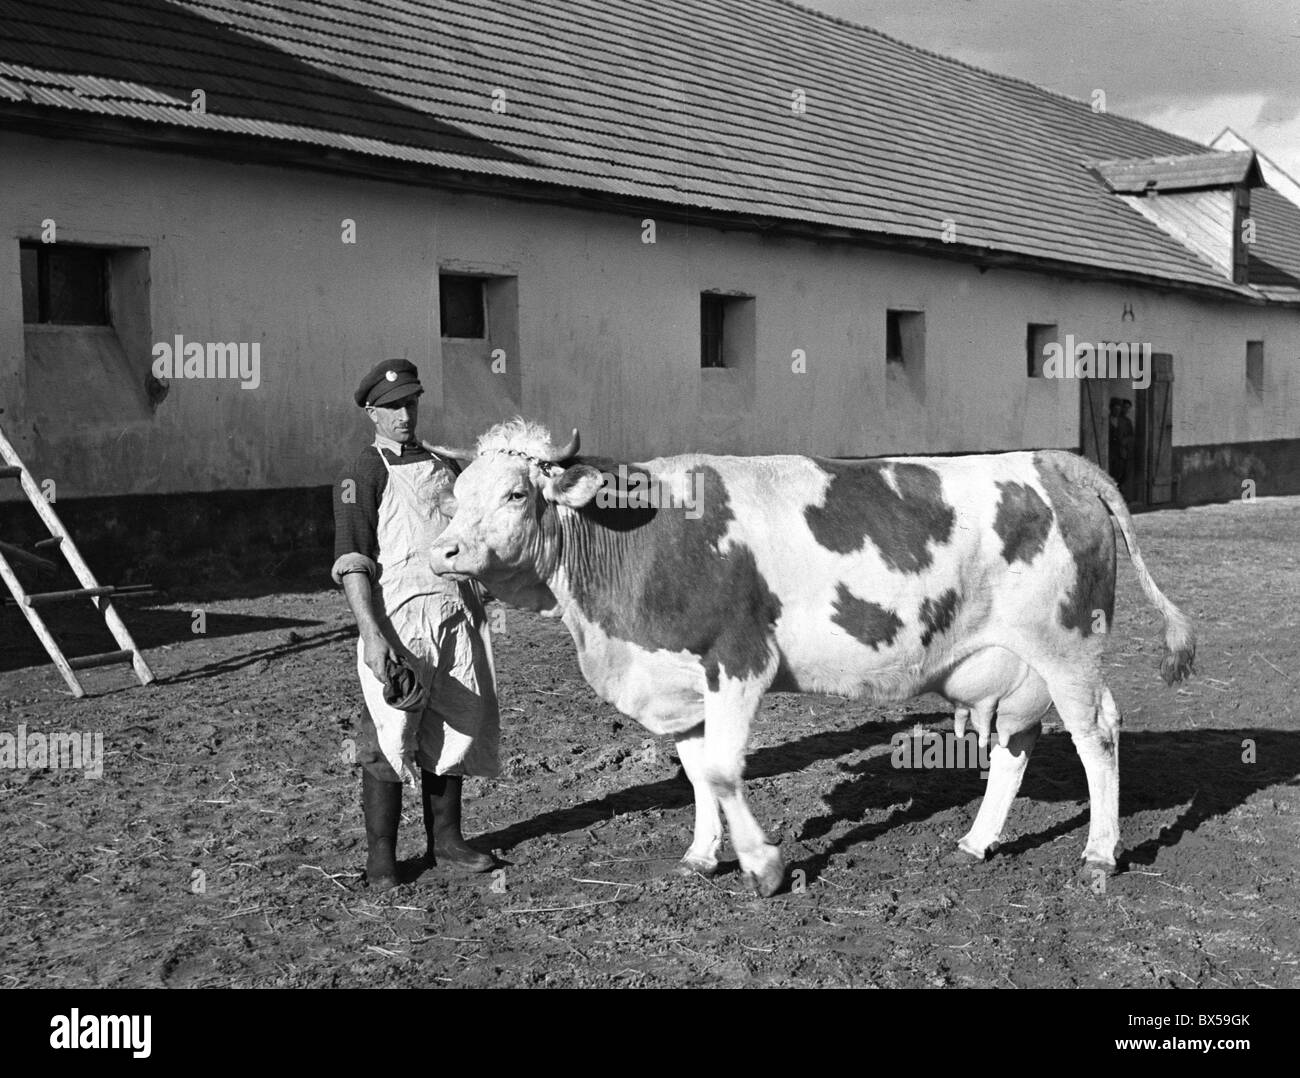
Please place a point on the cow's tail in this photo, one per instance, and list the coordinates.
(1180, 637)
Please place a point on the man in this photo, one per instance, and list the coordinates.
(1115, 457)
(1127, 440)
(388, 509)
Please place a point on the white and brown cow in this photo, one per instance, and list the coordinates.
(987, 579)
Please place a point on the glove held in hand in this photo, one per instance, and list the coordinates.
(402, 688)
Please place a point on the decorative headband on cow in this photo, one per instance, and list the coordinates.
(547, 467)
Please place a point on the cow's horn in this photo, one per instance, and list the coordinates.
(569, 450)
(449, 451)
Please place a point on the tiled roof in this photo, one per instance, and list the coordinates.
(686, 103)
(1187, 172)
(1275, 259)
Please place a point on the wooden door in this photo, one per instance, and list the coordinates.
(1156, 409)
(1094, 430)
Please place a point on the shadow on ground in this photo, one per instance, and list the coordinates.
(80, 630)
(1203, 773)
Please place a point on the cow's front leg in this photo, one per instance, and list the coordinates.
(702, 856)
(728, 711)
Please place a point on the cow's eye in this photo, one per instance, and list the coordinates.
(517, 495)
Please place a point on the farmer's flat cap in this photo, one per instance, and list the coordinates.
(388, 382)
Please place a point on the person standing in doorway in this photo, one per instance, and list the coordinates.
(424, 656)
(1127, 440)
(1115, 463)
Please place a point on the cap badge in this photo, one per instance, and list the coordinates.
(391, 376)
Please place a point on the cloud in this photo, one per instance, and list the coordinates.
(1148, 49)
(1203, 120)
(1278, 111)
(1191, 67)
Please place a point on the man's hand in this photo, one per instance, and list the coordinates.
(376, 652)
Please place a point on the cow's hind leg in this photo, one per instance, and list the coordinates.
(728, 711)
(702, 856)
(1090, 714)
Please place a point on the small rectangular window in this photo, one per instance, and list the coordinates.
(1255, 366)
(905, 338)
(726, 330)
(64, 285)
(713, 317)
(462, 306)
(893, 338)
(1037, 338)
(87, 325)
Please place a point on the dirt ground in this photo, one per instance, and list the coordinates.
(223, 843)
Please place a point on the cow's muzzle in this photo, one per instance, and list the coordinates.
(445, 554)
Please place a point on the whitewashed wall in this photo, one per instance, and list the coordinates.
(607, 332)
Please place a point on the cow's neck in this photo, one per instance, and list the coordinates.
(584, 557)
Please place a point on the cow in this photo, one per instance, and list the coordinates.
(988, 579)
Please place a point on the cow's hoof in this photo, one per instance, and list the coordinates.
(691, 866)
(967, 853)
(960, 857)
(1092, 870)
(767, 882)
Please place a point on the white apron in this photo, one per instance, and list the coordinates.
(439, 628)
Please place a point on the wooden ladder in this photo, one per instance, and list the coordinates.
(11, 467)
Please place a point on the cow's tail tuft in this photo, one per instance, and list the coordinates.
(1180, 637)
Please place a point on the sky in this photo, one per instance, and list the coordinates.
(1192, 67)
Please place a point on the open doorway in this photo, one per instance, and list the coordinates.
(1128, 432)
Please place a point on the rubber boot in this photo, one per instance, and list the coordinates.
(381, 804)
(447, 846)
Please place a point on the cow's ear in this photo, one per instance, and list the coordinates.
(574, 487)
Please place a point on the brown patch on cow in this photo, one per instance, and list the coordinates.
(655, 578)
(1023, 522)
(864, 620)
(861, 505)
(1086, 528)
(937, 615)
